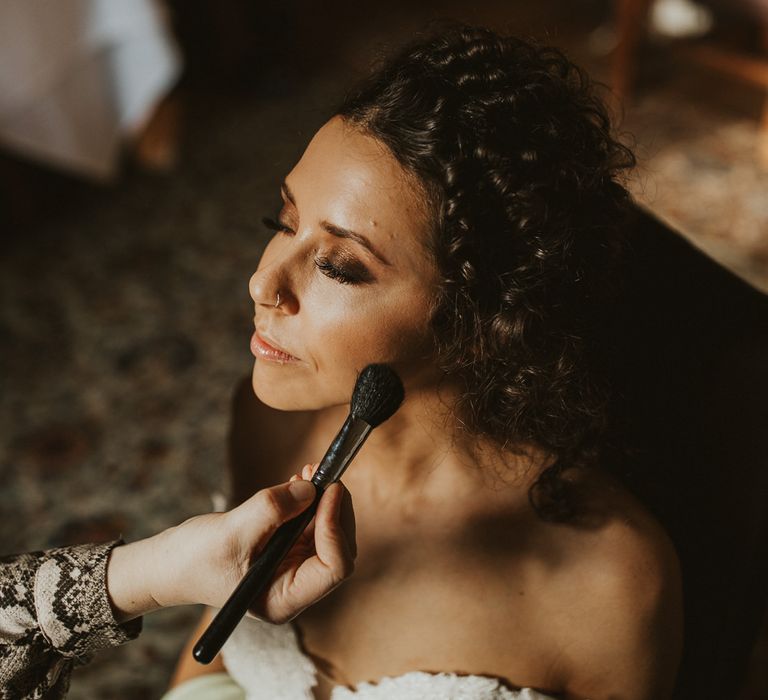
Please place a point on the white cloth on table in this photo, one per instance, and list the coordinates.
(77, 75)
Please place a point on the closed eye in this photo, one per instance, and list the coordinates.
(353, 272)
(275, 225)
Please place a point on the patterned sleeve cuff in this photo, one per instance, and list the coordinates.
(73, 609)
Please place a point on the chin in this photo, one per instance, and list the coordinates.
(280, 388)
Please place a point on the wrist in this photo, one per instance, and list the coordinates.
(190, 572)
(130, 579)
(170, 578)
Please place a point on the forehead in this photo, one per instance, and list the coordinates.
(352, 180)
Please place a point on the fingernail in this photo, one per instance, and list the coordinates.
(302, 490)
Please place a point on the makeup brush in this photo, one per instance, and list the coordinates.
(377, 395)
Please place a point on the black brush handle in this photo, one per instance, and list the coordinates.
(256, 579)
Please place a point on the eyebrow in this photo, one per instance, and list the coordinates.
(338, 231)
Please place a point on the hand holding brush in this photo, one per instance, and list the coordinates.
(377, 395)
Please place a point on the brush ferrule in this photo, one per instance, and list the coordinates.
(342, 450)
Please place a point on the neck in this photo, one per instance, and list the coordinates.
(421, 458)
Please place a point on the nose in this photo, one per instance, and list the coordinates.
(265, 286)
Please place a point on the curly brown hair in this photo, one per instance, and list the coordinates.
(515, 152)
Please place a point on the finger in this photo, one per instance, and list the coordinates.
(269, 508)
(315, 573)
(296, 589)
(309, 470)
(307, 538)
(345, 520)
(333, 560)
(348, 523)
(332, 544)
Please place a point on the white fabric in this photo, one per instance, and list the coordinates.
(419, 685)
(215, 686)
(76, 75)
(267, 661)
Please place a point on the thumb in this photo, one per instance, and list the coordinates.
(269, 508)
(301, 492)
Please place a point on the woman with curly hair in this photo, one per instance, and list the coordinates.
(459, 217)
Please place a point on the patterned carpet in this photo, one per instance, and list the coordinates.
(124, 317)
(124, 326)
(698, 170)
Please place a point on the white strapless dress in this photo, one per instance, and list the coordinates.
(268, 663)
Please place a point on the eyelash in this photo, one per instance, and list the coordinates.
(322, 263)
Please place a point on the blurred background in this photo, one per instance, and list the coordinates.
(141, 142)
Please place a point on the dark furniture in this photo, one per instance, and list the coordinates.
(694, 358)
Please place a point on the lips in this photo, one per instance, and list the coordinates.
(264, 347)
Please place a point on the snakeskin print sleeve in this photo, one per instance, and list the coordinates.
(54, 615)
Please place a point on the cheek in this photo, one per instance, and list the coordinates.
(359, 329)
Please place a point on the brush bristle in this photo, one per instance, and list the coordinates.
(378, 394)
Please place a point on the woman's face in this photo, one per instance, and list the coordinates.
(353, 272)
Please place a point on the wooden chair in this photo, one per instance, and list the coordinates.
(631, 16)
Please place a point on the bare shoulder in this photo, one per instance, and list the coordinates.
(266, 445)
(624, 626)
